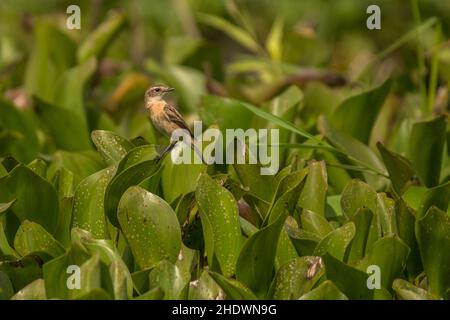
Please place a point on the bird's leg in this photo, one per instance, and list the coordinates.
(168, 149)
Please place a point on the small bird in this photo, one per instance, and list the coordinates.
(165, 117)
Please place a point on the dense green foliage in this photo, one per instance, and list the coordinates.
(364, 176)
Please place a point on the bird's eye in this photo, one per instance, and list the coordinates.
(157, 89)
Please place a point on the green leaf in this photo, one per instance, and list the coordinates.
(356, 115)
(274, 43)
(98, 41)
(21, 272)
(219, 216)
(390, 255)
(52, 54)
(150, 226)
(385, 211)
(277, 120)
(6, 288)
(69, 90)
(352, 282)
(255, 266)
(314, 192)
(433, 234)
(315, 223)
(233, 289)
(205, 288)
(425, 147)
(292, 280)
(170, 279)
(337, 241)
(111, 146)
(69, 130)
(120, 276)
(238, 34)
(400, 169)
(407, 291)
(357, 195)
(365, 234)
(129, 172)
(153, 294)
(179, 48)
(353, 147)
(33, 291)
(225, 113)
(325, 291)
(438, 196)
(406, 221)
(32, 238)
(88, 203)
(37, 200)
(25, 146)
(179, 179)
(81, 164)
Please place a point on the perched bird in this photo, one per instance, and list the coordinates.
(165, 117)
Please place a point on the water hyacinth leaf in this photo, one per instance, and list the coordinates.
(325, 291)
(110, 145)
(205, 288)
(405, 290)
(400, 169)
(365, 234)
(425, 147)
(52, 54)
(22, 271)
(25, 145)
(69, 90)
(255, 265)
(315, 223)
(80, 164)
(337, 241)
(6, 288)
(357, 195)
(110, 256)
(36, 199)
(150, 226)
(33, 291)
(123, 179)
(32, 238)
(433, 233)
(179, 179)
(354, 117)
(98, 41)
(233, 289)
(406, 221)
(153, 294)
(225, 112)
(313, 196)
(352, 282)
(390, 255)
(170, 279)
(88, 206)
(295, 279)
(219, 216)
(68, 129)
(385, 211)
(438, 196)
(352, 147)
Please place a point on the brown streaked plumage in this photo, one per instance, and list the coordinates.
(165, 117)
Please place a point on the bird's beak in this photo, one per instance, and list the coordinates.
(170, 89)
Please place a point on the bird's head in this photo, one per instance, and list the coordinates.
(157, 92)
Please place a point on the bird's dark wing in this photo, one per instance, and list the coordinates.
(174, 116)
